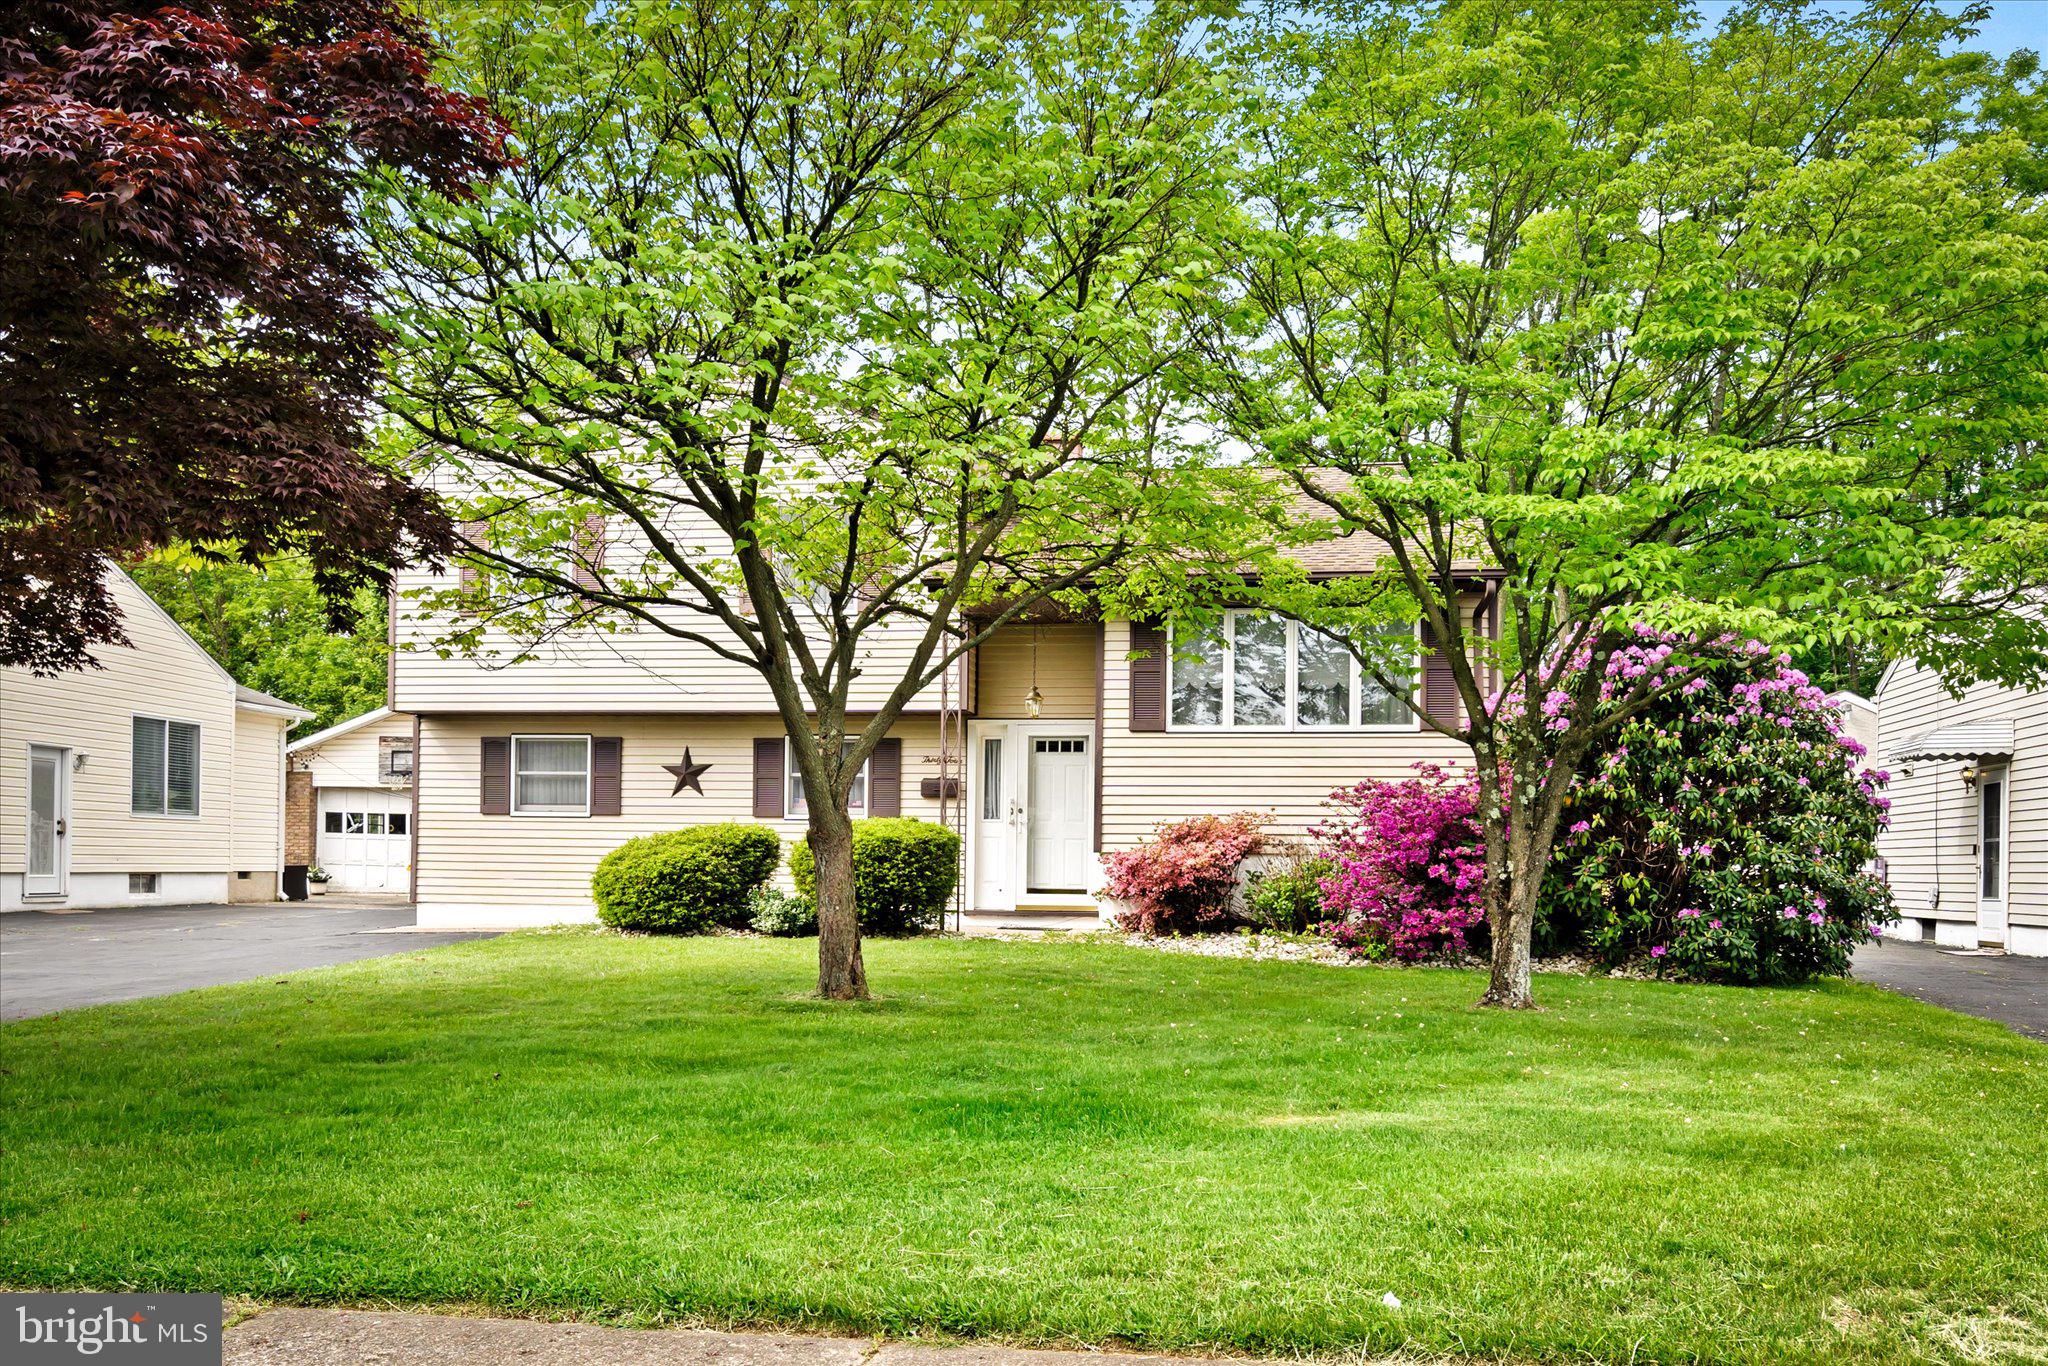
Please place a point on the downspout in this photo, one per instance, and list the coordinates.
(1486, 621)
(412, 869)
(284, 814)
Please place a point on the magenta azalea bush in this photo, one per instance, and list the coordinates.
(1409, 866)
(1725, 834)
(1181, 879)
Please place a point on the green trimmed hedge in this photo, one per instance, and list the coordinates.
(904, 870)
(685, 881)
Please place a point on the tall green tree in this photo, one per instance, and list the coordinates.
(1600, 321)
(845, 321)
(271, 628)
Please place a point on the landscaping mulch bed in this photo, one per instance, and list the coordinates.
(1302, 948)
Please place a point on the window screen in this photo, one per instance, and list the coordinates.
(182, 787)
(551, 774)
(146, 766)
(992, 779)
(163, 774)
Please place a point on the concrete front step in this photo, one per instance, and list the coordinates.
(1026, 922)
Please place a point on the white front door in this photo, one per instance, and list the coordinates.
(49, 821)
(995, 822)
(1991, 855)
(365, 838)
(1059, 814)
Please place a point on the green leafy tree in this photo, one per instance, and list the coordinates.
(1598, 319)
(270, 628)
(844, 321)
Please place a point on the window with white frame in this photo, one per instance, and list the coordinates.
(1257, 671)
(163, 767)
(551, 775)
(856, 803)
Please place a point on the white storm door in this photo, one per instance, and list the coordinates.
(1057, 823)
(49, 834)
(995, 820)
(1991, 855)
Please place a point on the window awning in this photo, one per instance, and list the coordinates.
(1964, 740)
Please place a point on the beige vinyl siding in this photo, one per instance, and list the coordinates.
(352, 760)
(1933, 835)
(482, 869)
(637, 668)
(1066, 672)
(1860, 723)
(1152, 777)
(258, 791)
(160, 673)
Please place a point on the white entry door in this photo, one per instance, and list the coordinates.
(1991, 855)
(49, 821)
(995, 822)
(366, 838)
(1059, 815)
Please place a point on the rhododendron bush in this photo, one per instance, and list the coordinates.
(1726, 833)
(1182, 878)
(1409, 866)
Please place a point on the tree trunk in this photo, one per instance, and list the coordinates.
(1513, 921)
(1520, 823)
(841, 975)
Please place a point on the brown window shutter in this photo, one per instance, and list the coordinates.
(474, 533)
(768, 779)
(495, 790)
(1439, 684)
(589, 551)
(1148, 677)
(885, 779)
(607, 754)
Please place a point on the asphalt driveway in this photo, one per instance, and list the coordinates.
(2011, 990)
(52, 961)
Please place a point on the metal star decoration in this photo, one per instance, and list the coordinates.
(688, 774)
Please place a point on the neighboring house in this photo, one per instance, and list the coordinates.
(348, 803)
(1048, 747)
(1860, 723)
(1967, 851)
(154, 779)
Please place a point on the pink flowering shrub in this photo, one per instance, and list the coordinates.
(1181, 879)
(1410, 864)
(1725, 833)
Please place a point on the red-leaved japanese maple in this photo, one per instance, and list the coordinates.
(186, 334)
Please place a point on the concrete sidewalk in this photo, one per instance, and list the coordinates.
(354, 1337)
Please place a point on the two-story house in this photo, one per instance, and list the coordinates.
(1055, 741)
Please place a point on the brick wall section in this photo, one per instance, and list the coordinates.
(298, 819)
(385, 744)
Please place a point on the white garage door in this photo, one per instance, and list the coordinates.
(366, 838)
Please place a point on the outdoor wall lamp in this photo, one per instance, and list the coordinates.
(1970, 775)
(1034, 700)
(78, 758)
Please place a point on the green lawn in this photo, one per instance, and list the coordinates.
(1055, 1143)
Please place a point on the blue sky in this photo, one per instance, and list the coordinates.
(2013, 23)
